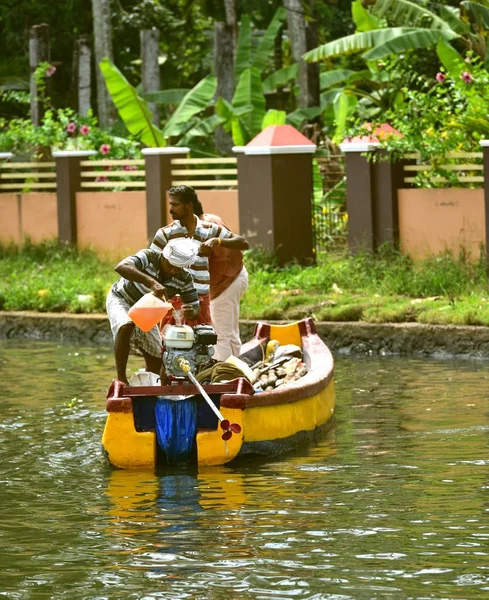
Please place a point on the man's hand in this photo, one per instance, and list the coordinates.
(207, 246)
(158, 290)
(190, 311)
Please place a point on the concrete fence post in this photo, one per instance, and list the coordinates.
(158, 181)
(275, 187)
(360, 195)
(68, 183)
(485, 163)
(371, 196)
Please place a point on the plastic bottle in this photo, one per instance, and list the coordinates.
(148, 311)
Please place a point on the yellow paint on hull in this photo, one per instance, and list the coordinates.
(127, 448)
(286, 334)
(283, 420)
(212, 449)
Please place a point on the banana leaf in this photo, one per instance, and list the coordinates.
(330, 78)
(132, 109)
(359, 42)
(196, 100)
(477, 13)
(240, 133)
(410, 14)
(364, 20)
(412, 40)
(249, 91)
(298, 116)
(267, 42)
(228, 112)
(279, 78)
(204, 128)
(343, 106)
(243, 48)
(174, 96)
(273, 117)
(452, 16)
(450, 59)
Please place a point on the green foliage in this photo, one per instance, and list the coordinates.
(132, 109)
(52, 277)
(196, 100)
(445, 114)
(62, 129)
(382, 287)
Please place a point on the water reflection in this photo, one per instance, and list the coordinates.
(392, 502)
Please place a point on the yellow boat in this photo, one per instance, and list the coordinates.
(265, 423)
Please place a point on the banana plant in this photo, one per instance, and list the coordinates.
(243, 117)
(194, 102)
(417, 27)
(249, 65)
(133, 110)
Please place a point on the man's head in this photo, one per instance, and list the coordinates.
(184, 202)
(179, 254)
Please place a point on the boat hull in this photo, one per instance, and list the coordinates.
(271, 422)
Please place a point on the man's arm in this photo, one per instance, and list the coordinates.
(233, 242)
(127, 269)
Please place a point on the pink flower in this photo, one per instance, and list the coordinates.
(440, 77)
(101, 178)
(130, 168)
(104, 149)
(51, 71)
(71, 127)
(107, 168)
(467, 77)
(84, 129)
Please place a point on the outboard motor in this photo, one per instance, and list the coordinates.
(194, 344)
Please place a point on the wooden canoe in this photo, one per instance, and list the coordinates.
(271, 421)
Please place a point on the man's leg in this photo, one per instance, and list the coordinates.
(121, 350)
(153, 363)
(225, 319)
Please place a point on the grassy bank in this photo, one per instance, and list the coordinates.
(387, 287)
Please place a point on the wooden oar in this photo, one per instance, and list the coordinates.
(229, 428)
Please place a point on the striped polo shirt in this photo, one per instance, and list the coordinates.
(148, 261)
(204, 231)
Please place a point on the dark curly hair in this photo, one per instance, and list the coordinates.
(187, 194)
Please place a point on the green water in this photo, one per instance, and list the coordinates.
(393, 502)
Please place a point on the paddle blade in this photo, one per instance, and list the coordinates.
(225, 424)
(227, 435)
(235, 428)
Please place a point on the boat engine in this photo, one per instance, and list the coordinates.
(194, 344)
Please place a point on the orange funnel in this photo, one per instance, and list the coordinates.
(148, 311)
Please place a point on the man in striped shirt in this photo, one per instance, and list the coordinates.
(184, 208)
(148, 271)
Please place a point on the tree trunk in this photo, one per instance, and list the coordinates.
(224, 53)
(102, 33)
(308, 75)
(84, 77)
(150, 68)
(278, 61)
(39, 51)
